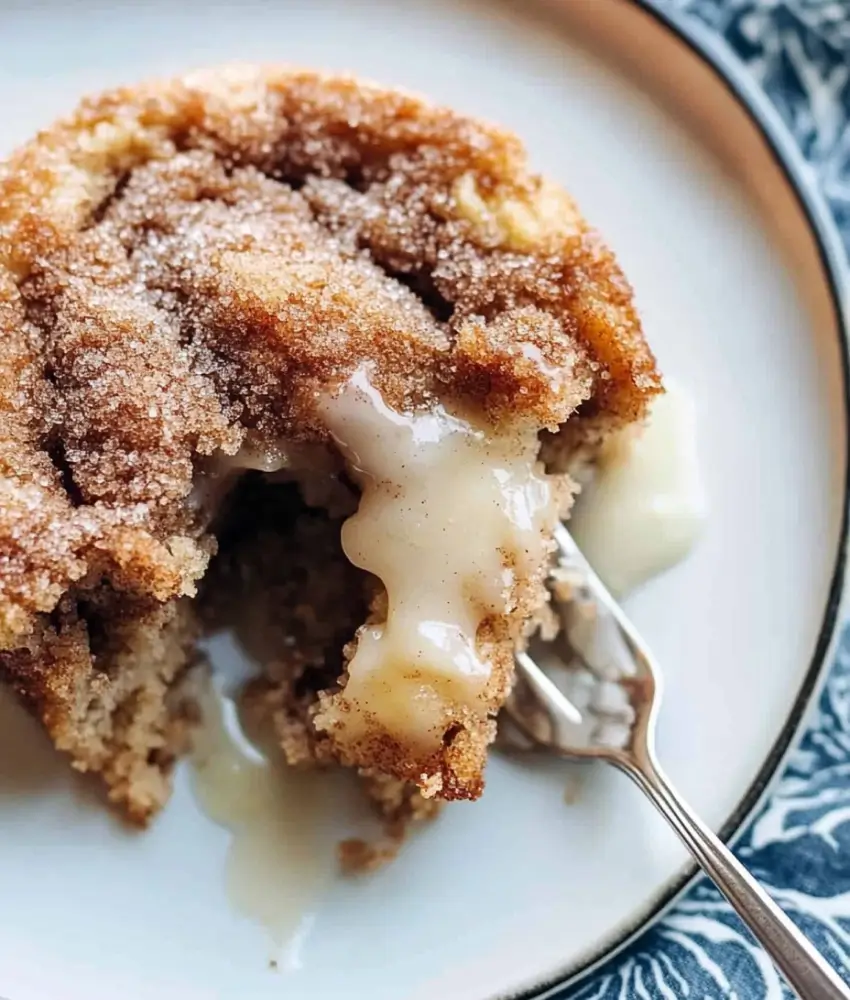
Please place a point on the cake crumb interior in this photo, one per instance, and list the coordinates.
(455, 521)
(186, 268)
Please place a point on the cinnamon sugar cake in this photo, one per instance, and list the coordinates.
(306, 357)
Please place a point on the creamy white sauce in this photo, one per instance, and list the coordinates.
(448, 518)
(278, 860)
(441, 505)
(645, 507)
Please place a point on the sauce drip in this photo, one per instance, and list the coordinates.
(277, 863)
(449, 518)
(644, 510)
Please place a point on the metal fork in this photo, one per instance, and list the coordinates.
(606, 707)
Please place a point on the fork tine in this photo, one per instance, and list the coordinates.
(613, 688)
(546, 689)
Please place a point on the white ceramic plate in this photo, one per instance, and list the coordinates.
(520, 889)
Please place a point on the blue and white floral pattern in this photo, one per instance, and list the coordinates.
(799, 845)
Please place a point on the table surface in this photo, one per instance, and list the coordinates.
(799, 844)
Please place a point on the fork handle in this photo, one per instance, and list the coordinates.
(804, 967)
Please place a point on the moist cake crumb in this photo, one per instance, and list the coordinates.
(186, 267)
(401, 806)
(282, 583)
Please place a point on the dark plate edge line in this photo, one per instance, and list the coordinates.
(832, 257)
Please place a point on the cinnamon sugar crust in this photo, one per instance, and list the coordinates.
(185, 267)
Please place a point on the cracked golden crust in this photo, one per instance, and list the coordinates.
(189, 259)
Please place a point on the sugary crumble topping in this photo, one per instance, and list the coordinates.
(189, 270)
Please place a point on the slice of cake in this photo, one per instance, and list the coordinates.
(347, 334)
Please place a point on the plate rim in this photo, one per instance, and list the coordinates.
(732, 75)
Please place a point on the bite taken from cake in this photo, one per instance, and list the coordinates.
(298, 350)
